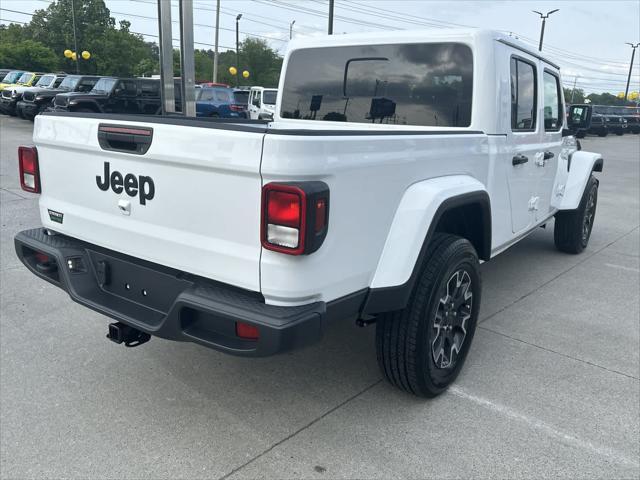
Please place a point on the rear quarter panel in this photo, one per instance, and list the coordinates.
(368, 176)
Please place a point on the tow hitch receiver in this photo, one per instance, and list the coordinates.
(119, 333)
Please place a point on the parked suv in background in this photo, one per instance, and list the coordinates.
(10, 78)
(11, 96)
(631, 115)
(37, 100)
(262, 103)
(599, 123)
(218, 102)
(115, 95)
(27, 79)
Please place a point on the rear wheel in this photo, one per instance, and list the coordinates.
(572, 229)
(422, 348)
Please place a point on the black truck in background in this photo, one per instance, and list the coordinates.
(37, 100)
(116, 95)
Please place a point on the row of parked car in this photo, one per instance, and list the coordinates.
(606, 119)
(26, 94)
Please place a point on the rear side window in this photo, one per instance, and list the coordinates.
(552, 102)
(427, 84)
(86, 84)
(523, 95)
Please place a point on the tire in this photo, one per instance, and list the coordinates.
(603, 133)
(573, 228)
(84, 110)
(581, 134)
(409, 341)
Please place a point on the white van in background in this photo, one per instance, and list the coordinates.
(262, 103)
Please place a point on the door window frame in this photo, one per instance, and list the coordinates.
(520, 58)
(561, 113)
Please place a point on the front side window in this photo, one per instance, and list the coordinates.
(523, 95)
(426, 84)
(69, 83)
(552, 102)
(104, 85)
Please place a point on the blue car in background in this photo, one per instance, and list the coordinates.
(218, 102)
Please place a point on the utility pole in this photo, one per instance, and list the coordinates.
(238, 49)
(574, 88)
(331, 17)
(291, 30)
(215, 51)
(633, 54)
(75, 38)
(544, 20)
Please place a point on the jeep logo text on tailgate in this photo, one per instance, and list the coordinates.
(133, 186)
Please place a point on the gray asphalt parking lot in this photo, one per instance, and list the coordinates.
(551, 387)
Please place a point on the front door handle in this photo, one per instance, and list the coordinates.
(548, 155)
(519, 159)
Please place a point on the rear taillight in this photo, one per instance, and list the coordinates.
(29, 171)
(295, 216)
(237, 108)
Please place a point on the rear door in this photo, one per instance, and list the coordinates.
(191, 201)
(523, 140)
(548, 158)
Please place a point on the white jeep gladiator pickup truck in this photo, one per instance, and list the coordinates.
(394, 164)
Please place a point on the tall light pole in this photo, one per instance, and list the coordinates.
(238, 48)
(574, 88)
(544, 20)
(215, 51)
(633, 54)
(291, 30)
(330, 17)
(75, 39)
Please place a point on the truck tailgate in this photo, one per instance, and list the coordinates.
(192, 202)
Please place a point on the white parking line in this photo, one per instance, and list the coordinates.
(545, 428)
(622, 267)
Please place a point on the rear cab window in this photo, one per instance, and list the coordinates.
(422, 84)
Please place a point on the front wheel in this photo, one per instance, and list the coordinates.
(572, 229)
(422, 348)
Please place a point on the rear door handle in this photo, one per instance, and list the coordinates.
(548, 155)
(519, 159)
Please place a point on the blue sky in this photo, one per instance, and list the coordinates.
(586, 37)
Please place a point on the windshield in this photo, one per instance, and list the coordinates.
(269, 97)
(11, 77)
(104, 85)
(25, 78)
(69, 83)
(241, 97)
(45, 81)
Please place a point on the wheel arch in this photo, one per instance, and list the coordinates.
(581, 166)
(459, 205)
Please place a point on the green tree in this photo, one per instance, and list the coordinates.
(577, 96)
(28, 55)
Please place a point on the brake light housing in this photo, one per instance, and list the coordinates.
(29, 169)
(295, 216)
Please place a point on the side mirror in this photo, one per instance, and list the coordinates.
(579, 117)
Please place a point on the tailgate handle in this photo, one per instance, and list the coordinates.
(123, 138)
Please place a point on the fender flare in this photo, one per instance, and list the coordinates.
(413, 226)
(581, 164)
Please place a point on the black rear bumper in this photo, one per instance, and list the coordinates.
(172, 304)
